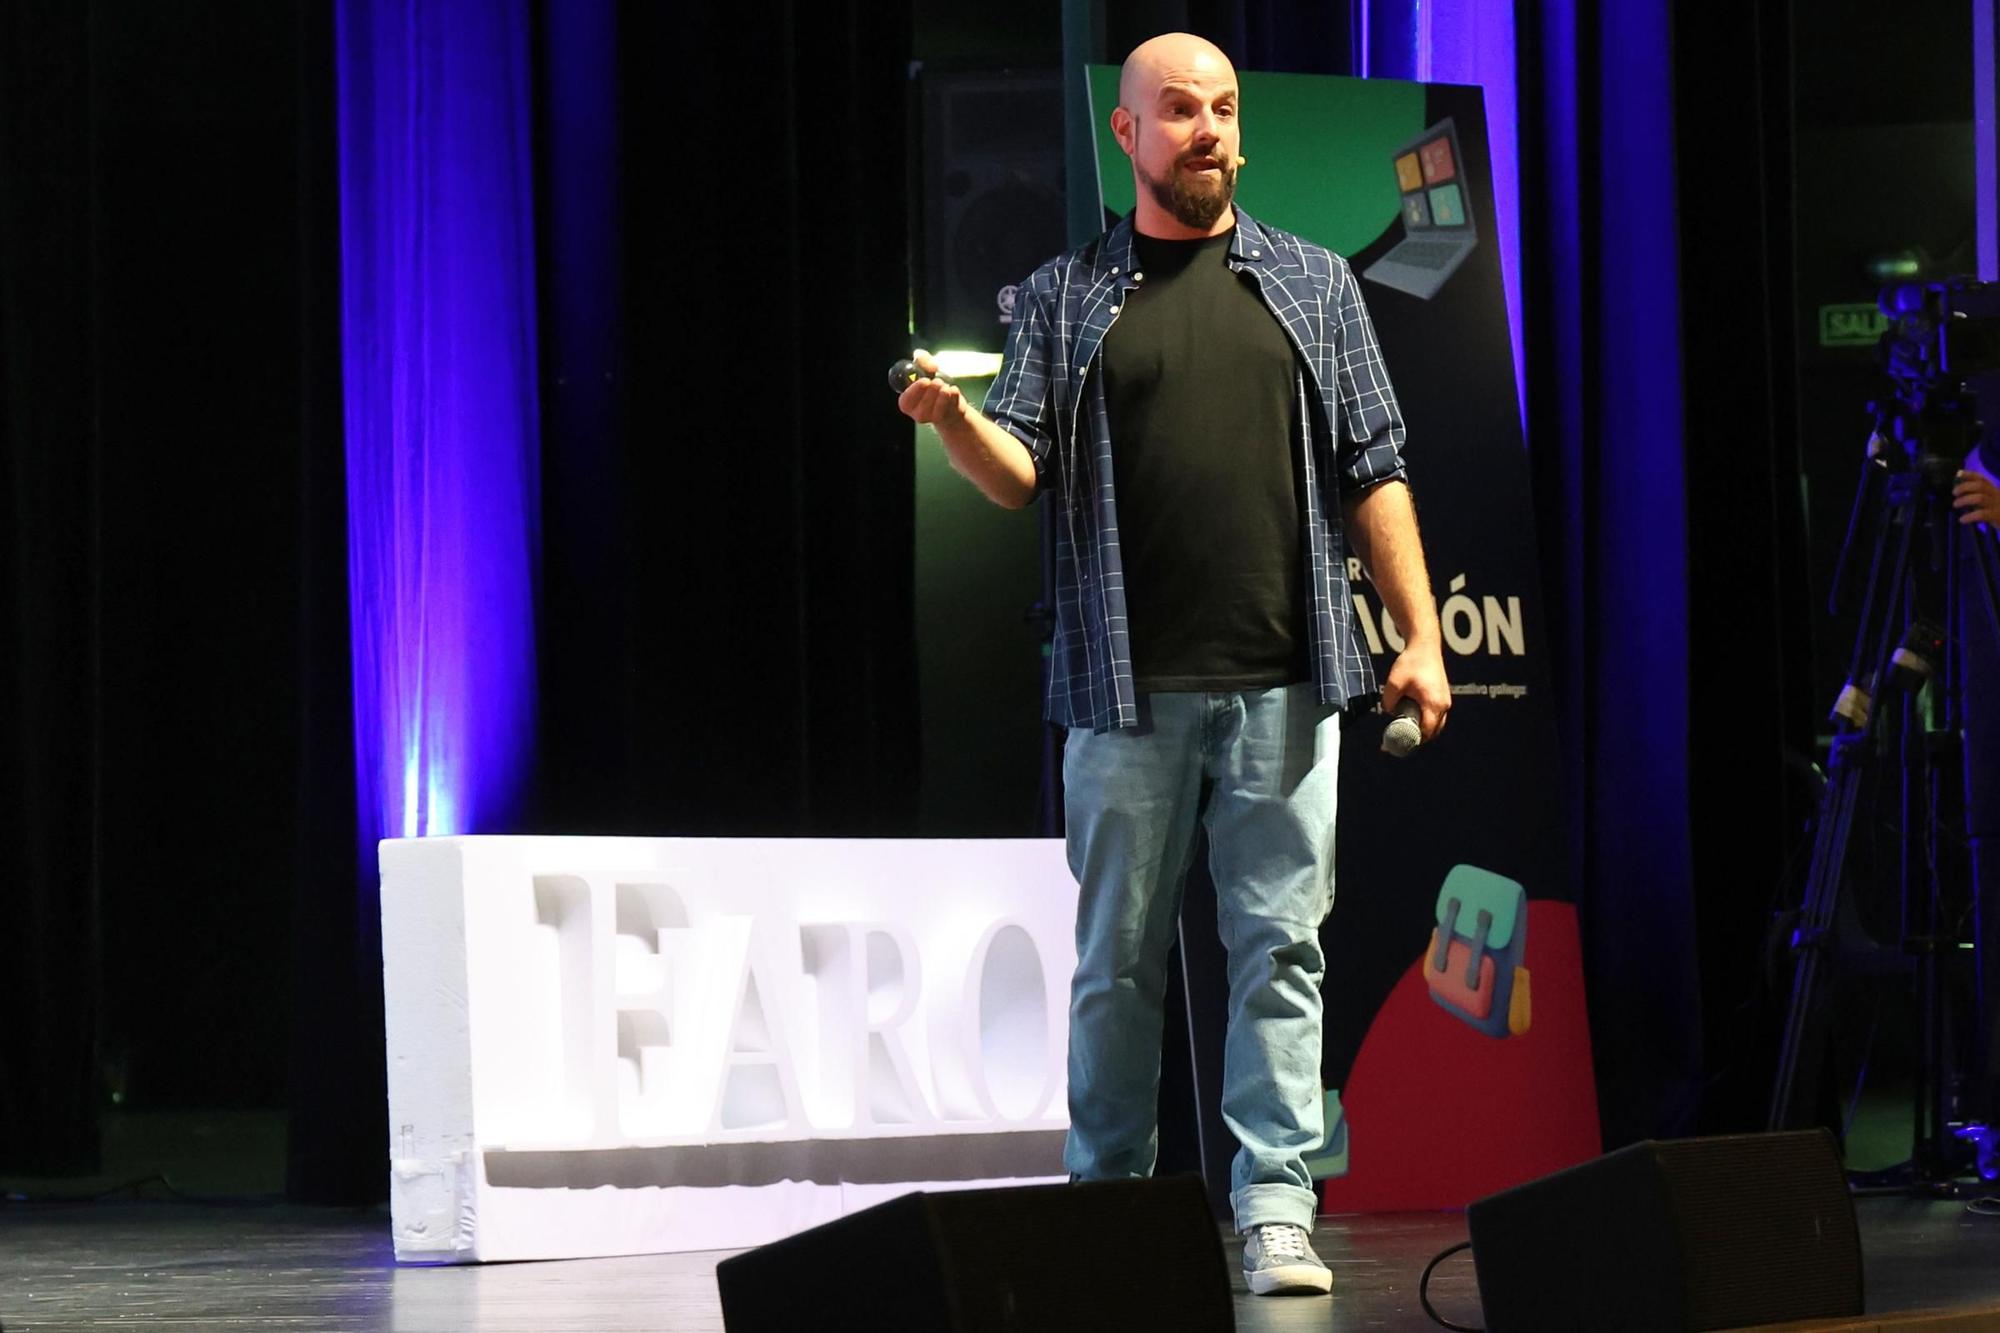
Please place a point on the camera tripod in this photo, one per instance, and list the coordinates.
(1924, 566)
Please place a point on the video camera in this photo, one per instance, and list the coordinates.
(1940, 336)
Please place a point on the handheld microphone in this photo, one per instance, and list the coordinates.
(1403, 734)
(906, 372)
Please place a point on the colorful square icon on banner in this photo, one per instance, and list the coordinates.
(1409, 176)
(1447, 206)
(1474, 967)
(1439, 165)
(1416, 210)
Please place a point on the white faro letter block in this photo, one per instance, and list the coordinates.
(992, 1054)
(667, 1029)
(759, 1088)
(867, 978)
(665, 1072)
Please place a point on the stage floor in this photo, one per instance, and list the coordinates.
(251, 1265)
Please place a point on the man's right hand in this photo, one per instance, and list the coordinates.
(931, 401)
(994, 461)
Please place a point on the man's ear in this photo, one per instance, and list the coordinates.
(1124, 129)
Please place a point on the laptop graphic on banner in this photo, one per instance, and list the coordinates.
(1437, 214)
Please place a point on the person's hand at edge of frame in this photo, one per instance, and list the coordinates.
(1977, 498)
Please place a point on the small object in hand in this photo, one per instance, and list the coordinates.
(1403, 734)
(907, 372)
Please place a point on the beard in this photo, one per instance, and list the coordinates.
(1194, 200)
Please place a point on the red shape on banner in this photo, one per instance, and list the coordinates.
(1439, 1114)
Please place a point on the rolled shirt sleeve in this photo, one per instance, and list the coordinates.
(1020, 400)
(1370, 430)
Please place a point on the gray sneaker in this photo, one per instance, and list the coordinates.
(1278, 1259)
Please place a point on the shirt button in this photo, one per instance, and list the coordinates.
(1138, 277)
(1256, 254)
(1114, 270)
(1114, 310)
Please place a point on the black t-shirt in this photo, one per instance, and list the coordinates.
(1199, 383)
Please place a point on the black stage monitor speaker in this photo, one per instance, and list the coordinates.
(1676, 1235)
(991, 196)
(1034, 1258)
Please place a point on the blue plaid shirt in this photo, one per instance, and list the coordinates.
(1050, 398)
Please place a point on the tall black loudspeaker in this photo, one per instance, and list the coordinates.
(1029, 1259)
(990, 194)
(1678, 1235)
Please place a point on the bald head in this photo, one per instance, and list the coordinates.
(1176, 119)
(1173, 56)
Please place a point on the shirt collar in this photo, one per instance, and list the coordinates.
(1247, 242)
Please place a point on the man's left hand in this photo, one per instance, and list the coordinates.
(1418, 673)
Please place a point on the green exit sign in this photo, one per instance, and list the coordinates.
(1858, 324)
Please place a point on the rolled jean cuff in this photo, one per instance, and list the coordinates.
(1263, 1205)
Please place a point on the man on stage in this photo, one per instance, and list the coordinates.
(1204, 399)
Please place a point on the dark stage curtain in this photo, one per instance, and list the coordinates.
(1655, 220)
(337, 1083)
(726, 640)
(1752, 711)
(179, 742)
(724, 636)
(48, 680)
(725, 633)
(1269, 35)
(1601, 295)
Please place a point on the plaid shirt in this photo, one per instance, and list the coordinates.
(1048, 397)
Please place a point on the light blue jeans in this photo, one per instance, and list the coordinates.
(1270, 759)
